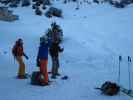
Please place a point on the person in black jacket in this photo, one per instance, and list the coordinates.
(54, 53)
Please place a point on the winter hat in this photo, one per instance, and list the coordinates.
(44, 39)
(19, 41)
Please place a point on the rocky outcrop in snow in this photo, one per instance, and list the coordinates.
(7, 15)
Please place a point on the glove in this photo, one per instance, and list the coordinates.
(27, 57)
(62, 49)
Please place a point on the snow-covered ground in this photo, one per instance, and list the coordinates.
(94, 37)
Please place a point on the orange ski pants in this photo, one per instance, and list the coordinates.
(43, 70)
(20, 61)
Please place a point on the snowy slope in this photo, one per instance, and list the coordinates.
(94, 37)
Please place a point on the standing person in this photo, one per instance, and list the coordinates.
(18, 53)
(54, 53)
(42, 59)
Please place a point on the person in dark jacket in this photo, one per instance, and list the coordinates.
(42, 59)
(54, 53)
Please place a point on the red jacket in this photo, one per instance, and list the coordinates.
(18, 50)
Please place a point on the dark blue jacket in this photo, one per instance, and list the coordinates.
(43, 51)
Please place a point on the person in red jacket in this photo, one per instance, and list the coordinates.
(18, 54)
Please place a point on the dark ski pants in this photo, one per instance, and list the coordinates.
(55, 66)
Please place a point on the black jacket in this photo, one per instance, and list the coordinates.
(55, 49)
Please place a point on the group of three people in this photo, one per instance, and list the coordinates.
(46, 47)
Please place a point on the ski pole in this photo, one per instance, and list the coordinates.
(129, 73)
(120, 59)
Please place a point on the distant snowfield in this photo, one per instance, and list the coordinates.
(94, 37)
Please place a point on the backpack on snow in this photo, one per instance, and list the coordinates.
(36, 78)
(109, 88)
(14, 50)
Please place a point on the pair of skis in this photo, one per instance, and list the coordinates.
(129, 91)
(126, 91)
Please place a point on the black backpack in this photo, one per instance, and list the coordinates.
(109, 88)
(14, 50)
(36, 78)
